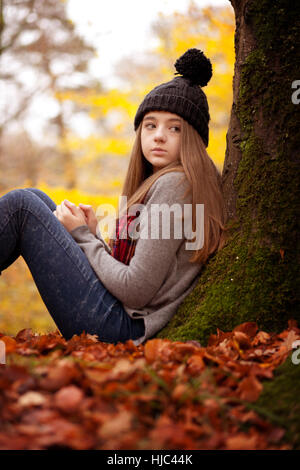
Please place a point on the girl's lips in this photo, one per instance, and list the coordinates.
(158, 151)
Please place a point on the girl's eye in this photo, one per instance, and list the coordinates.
(150, 125)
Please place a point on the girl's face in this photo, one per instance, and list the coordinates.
(160, 138)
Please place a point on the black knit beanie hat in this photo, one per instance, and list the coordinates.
(183, 95)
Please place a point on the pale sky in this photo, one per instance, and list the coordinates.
(118, 28)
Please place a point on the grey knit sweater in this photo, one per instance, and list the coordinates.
(159, 275)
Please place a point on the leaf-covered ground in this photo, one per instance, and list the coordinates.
(85, 394)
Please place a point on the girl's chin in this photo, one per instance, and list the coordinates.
(159, 161)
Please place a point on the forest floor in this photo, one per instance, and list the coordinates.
(86, 394)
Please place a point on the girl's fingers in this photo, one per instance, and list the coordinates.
(69, 204)
(70, 207)
(57, 212)
(85, 207)
(60, 207)
(60, 213)
(64, 208)
(67, 207)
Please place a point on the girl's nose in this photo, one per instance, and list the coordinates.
(159, 134)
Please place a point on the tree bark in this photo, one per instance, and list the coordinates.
(255, 277)
(244, 44)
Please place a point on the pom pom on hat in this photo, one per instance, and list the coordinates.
(195, 66)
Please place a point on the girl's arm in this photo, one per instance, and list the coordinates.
(136, 284)
(90, 219)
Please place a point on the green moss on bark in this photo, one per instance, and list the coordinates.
(255, 277)
(239, 284)
(280, 398)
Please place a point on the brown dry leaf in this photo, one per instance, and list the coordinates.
(241, 441)
(153, 349)
(93, 338)
(32, 399)
(121, 423)
(214, 340)
(25, 335)
(179, 350)
(98, 375)
(276, 435)
(195, 364)
(169, 434)
(68, 398)
(212, 358)
(289, 340)
(249, 388)
(124, 368)
(178, 391)
(249, 328)
(13, 442)
(242, 339)
(11, 374)
(63, 432)
(261, 338)
(194, 342)
(59, 375)
(10, 344)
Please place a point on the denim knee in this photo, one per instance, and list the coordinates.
(13, 202)
(17, 197)
(36, 191)
(23, 199)
(43, 196)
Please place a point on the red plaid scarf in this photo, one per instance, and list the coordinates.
(123, 248)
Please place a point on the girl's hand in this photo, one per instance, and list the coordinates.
(70, 218)
(90, 216)
(88, 213)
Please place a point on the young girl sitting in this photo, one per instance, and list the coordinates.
(130, 287)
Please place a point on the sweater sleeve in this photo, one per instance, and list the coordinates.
(136, 284)
(99, 236)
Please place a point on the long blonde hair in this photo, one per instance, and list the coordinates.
(205, 186)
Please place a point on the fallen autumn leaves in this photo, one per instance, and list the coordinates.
(85, 394)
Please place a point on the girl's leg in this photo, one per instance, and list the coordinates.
(44, 197)
(70, 289)
(47, 200)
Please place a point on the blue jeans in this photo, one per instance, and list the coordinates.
(73, 294)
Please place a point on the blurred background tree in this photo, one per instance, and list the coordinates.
(41, 54)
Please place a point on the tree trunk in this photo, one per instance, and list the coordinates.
(255, 276)
(69, 168)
